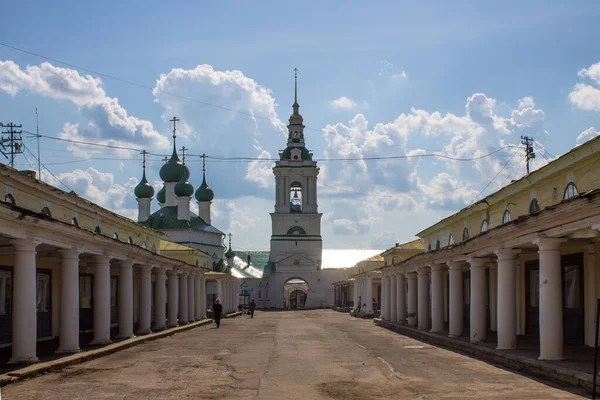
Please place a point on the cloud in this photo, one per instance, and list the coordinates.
(344, 103)
(401, 76)
(585, 96)
(586, 135)
(107, 122)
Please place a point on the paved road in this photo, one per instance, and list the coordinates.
(285, 355)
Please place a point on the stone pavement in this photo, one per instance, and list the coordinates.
(318, 354)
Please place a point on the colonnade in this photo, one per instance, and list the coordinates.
(186, 299)
(406, 297)
(363, 294)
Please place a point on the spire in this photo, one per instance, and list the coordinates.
(174, 121)
(144, 189)
(230, 253)
(296, 106)
(204, 193)
(172, 170)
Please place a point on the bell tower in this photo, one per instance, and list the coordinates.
(296, 222)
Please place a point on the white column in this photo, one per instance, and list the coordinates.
(24, 307)
(160, 299)
(400, 297)
(191, 298)
(197, 298)
(220, 291)
(388, 297)
(412, 298)
(145, 297)
(173, 298)
(183, 298)
(393, 300)
(493, 290)
(478, 321)
(551, 300)
(518, 301)
(202, 297)
(437, 298)
(101, 300)
(507, 320)
(69, 302)
(423, 298)
(382, 307)
(456, 305)
(125, 298)
(369, 295)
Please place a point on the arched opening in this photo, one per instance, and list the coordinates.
(295, 294)
(506, 216)
(10, 199)
(46, 212)
(296, 197)
(534, 206)
(450, 240)
(465, 234)
(296, 230)
(570, 191)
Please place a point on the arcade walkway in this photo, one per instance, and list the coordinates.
(318, 354)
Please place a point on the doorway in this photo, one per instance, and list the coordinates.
(295, 293)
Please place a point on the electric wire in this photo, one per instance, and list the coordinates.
(47, 169)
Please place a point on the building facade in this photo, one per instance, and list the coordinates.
(522, 261)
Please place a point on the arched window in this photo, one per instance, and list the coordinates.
(116, 236)
(46, 212)
(393, 260)
(506, 216)
(144, 246)
(484, 226)
(534, 206)
(154, 248)
(465, 234)
(429, 247)
(570, 191)
(296, 230)
(437, 245)
(98, 230)
(450, 240)
(296, 197)
(10, 199)
(74, 221)
(130, 240)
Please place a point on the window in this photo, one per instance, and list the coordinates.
(429, 247)
(570, 191)
(10, 199)
(46, 212)
(296, 197)
(116, 236)
(450, 240)
(267, 293)
(260, 294)
(5, 292)
(534, 206)
(144, 246)
(296, 230)
(437, 245)
(74, 221)
(42, 292)
(465, 234)
(98, 230)
(506, 217)
(484, 226)
(130, 240)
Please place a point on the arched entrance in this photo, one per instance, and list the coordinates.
(295, 293)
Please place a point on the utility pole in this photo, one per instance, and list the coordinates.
(12, 142)
(529, 154)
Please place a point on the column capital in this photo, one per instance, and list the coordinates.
(455, 265)
(159, 269)
(172, 272)
(144, 267)
(411, 275)
(549, 244)
(423, 270)
(438, 266)
(24, 245)
(507, 254)
(478, 262)
(66, 254)
(101, 260)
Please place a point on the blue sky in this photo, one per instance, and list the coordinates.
(375, 79)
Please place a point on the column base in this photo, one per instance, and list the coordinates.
(100, 342)
(453, 335)
(125, 336)
(175, 325)
(436, 330)
(30, 360)
(183, 323)
(67, 351)
(158, 328)
(144, 332)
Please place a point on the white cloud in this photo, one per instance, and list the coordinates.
(261, 171)
(344, 103)
(107, 121)
(586, 135)
(584, 96)
(402, 75)
(526, 102)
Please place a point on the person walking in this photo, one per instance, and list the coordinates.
(252, 307)
(217, 310)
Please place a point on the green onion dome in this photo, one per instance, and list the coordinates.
(183, 188)
(230, 253)
(144, 190)
(204, 193)
(173, 169)
(161, 196)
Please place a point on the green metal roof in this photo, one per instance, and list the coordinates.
(287, 154)
(144, 190)
(162, 195)
(173, 169)
(166, 219)
(204, 193)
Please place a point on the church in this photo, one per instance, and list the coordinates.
(295, 274)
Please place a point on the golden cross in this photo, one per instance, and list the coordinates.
(175, 120)
(183, 150)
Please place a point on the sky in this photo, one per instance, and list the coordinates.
(460, 79)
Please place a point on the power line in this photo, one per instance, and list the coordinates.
(46, 168)
(494, 178)
(12, 144)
